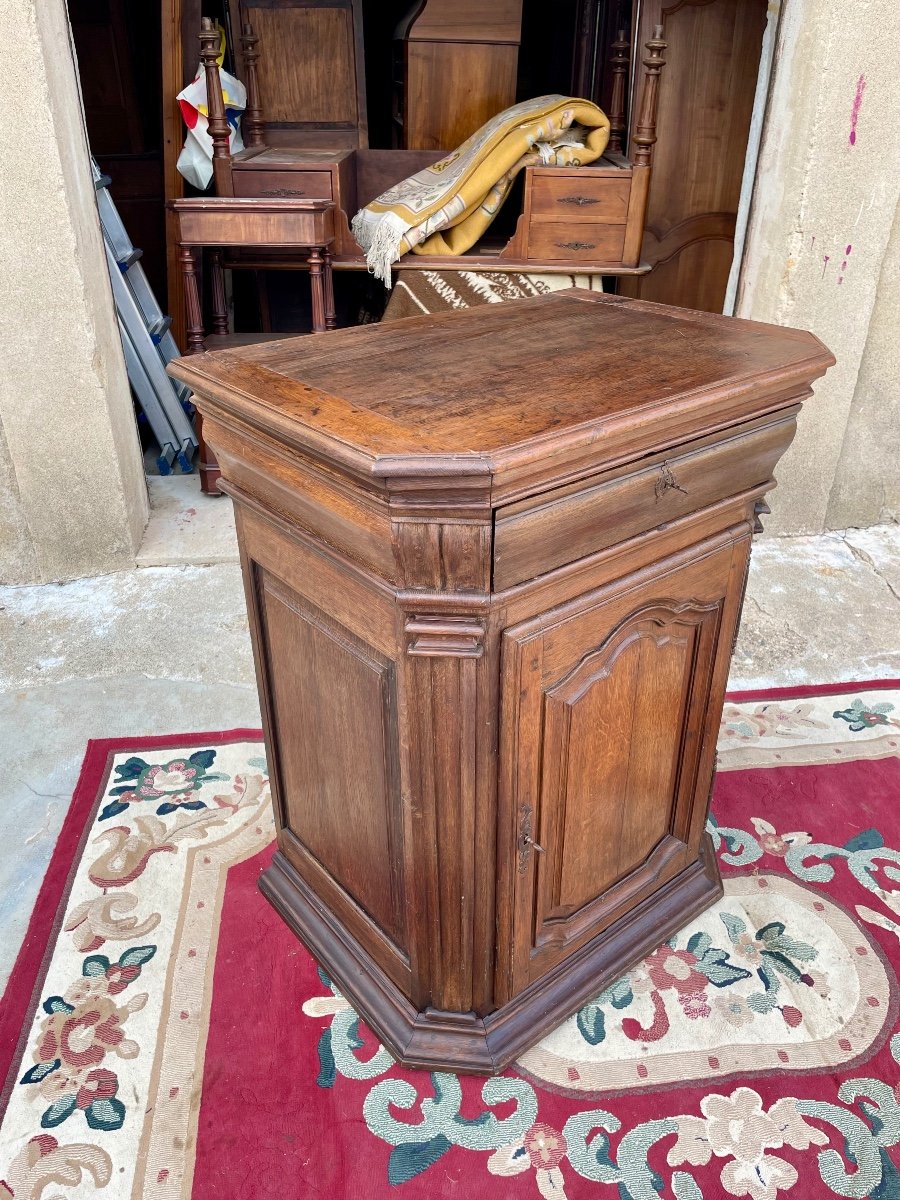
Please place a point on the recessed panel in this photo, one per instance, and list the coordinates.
(337, 752)
(613, 731)
(307, 72)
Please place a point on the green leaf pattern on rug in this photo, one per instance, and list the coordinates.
(683, 975)
(80, 1030)
(860, 716)
(171, 784)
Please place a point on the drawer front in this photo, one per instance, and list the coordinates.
(286, 185)
(560, 241)
(561, 528)
(256, 228)
(580, 197)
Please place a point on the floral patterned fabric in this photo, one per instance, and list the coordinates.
(175, 1040)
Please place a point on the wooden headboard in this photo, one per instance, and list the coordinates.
(311, 71)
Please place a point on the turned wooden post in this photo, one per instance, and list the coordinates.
(193, 313)
(207, 466)
(643, 140)
(644, 137)
(219, 129)
(317, 288)
(252, 121)
(217, 288)
(619, 63)
(328, 276)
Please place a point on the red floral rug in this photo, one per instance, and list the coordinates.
(166, 1036)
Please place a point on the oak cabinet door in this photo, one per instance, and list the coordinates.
(610, 709)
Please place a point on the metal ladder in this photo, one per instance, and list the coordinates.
(146, 339)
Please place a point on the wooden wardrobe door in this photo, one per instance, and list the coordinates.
(607, 748)
(705, 105)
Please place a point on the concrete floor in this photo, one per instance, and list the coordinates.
(165, 649)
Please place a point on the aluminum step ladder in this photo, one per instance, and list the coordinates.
(146, 339)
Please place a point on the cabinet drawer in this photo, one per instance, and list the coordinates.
(288, 185)
(583, 242)
(579, 197)
(532, 537)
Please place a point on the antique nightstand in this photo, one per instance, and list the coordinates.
(494, 564)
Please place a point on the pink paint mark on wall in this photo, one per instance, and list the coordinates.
(847, 252)
(825, 261)
(857, 105)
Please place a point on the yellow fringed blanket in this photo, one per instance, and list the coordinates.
(445, 208)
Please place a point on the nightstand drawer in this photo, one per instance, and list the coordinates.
(586, 242)
(580, 196)
(283, 185)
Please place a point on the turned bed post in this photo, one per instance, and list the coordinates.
(252, 123)
(219, 130)
(643, 140)
(619, 64)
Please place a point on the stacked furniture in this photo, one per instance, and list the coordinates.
(589, 218)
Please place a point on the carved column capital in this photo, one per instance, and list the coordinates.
(444, 636)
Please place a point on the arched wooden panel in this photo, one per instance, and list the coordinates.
(609, 696)
(612, 738)
(611, 810)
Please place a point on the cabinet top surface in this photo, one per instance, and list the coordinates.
(486, 390)
(287, 156)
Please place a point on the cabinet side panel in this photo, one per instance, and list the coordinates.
(307, 73)
(334, 713)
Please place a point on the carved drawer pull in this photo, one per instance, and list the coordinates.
(283, 192)
(577, 245)
(579, 200)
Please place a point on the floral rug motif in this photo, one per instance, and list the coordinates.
(166, 1036)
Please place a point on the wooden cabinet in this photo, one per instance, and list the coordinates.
(494, 564)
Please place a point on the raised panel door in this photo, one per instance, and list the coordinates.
(609, 704)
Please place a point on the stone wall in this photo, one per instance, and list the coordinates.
(72, 491)
(866, 488)
(817, 251)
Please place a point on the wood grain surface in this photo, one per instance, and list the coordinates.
(494, 565)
